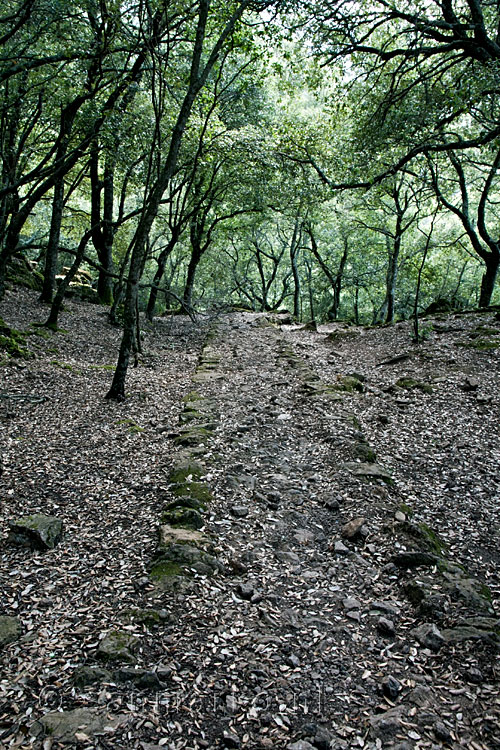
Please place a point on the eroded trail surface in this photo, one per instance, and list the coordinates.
(351, 520)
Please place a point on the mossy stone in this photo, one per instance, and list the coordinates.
(421, 535)
(10, 629)
(481, 345)
(183, 559)
(118, 645)
(13, 342)
(196, 492)
(37, 531)
(411, 384)
(183, 469)
(185, 518)
(349, 384)
(165, 569)
(193, 435)
(365, 453)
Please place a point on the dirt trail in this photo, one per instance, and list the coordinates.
(342, 506)
(313, 638)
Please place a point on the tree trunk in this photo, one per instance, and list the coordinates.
(337, 286)
(391, 277)
(294, 248)
(194, 261)
(162, 262)
(492, 261)
(105, 281)
(197, 79)
(52, 253)
(57, 302)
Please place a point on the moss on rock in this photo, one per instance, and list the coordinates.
(197, 492)
(13, 342)
(185, 518)
(165, 569)
(193, 435)
(411, 384)
(349, 384)
(481, 345)
(184, 469)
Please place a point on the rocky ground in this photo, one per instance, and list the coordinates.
(326, 574)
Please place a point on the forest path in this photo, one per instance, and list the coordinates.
(311, 641)
(317, 632)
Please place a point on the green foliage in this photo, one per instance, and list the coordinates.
(131, 424)
(13, 342)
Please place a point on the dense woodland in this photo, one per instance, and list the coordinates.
(340, 159)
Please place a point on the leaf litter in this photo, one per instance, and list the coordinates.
(266, 654)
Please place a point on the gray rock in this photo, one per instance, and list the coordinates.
(351, 603)
(245, 590)
(63, 726)
(385, 626)
(37, 532)
(470, 384)
(91, 675)
(429, 636)
(231, 740)
(300, 745)
(471, 591)
(421, 696)
(391, 687)
(352, 529)
(442, 732)
(409, 560)
(463, 633)
(332, 504)
(323, 739)
(433, 606)
(340, 549)
(141, 678)
(387, 724)
(285, 556)
(303, 536)
(388, 608)
(118, 645)
(369, 471)
(474, 675)
(239, 511)
(10, 629)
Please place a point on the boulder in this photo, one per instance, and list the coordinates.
(91, 675)
(10, 630)
(176, 560)
(118, 645)
(429, 636)
(38, 531)
(186, 518)
(75, 726)
(179, 535)
(352, 529)
(369, 471)
(409, 560)
(386, 725)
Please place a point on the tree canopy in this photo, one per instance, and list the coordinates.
(339, 159)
